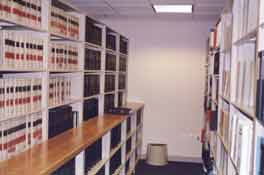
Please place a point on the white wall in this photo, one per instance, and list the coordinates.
(166, 71)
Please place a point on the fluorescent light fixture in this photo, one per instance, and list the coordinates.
(173, 8)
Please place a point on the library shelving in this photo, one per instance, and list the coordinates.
(61, 71)
(236, 140)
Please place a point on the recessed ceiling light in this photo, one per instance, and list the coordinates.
(173, 8)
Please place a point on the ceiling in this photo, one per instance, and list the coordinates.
(203, 9)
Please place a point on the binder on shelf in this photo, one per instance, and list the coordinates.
(115, 161)
(120, 98)
(260, 156)
(123, 45)
(93, 154)
(122, 81)
(110, 39)
(110, 62)
(66, 169)
(115, 136)
(122, 63)
(260, 89)
(93, 33)
(90, 108)
(92, 60)
(91, 85)
(109, 102)
(60, 120)
(109, 83)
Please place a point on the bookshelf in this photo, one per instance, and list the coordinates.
(236, 145)
(55, 60)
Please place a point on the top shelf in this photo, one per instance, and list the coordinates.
(50, 155)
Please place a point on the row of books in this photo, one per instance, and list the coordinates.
(224, 121)
(92, 60)
(245, 17)
(241, 138)
(19, 134)
(90, 108)
(61, 119)
(244, 75)
(109, 102)
(215, 63)
(27, 12)
(59, 89)
(91, 85)
(93, 32)
(222, 162)
(226, 31)
(122, 81)
(64, 56)
(225, 74)
(260, 88)
(115, 136)
(21, 49)
(109, 82)
(110, 64)
(93, 154)
(64, 24)
(19, 96)
(115, 161)
(122, 63)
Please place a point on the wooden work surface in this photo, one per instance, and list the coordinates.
(134, 106)
(50, 155)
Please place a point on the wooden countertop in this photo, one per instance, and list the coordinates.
(50, 155)
(134, 106)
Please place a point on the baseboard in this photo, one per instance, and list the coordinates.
(181, 159)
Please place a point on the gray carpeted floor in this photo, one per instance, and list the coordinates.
(173, 168)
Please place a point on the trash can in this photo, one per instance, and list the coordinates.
(157, 154)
